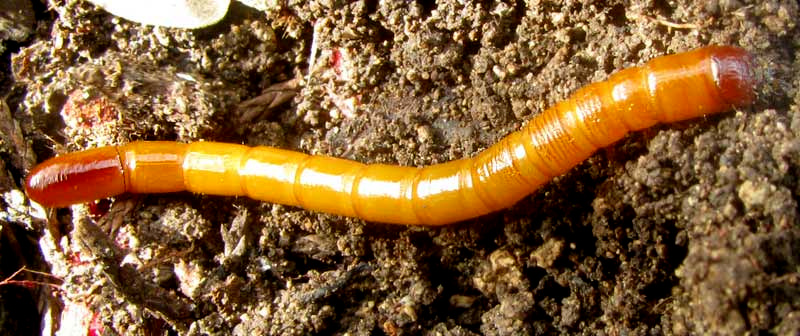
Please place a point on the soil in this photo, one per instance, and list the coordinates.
(687, 228)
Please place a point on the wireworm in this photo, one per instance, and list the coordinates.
(666, 89)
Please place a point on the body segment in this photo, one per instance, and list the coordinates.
(667, 89)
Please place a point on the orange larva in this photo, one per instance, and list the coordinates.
(667, 89)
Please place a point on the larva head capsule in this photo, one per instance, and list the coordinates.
(76, 178)
(733, 73)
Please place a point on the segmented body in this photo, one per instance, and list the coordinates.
(666, 89)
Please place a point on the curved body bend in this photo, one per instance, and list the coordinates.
(666, 89)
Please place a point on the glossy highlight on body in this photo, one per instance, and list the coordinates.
(666, 89)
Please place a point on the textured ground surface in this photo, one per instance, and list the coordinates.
(682, 229)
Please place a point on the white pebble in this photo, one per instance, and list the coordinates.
(168, 13)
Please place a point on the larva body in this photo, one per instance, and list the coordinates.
(667, 89)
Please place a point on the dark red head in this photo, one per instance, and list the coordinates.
(733, 72)
(76, 178)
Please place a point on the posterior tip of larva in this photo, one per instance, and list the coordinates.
(733, 72)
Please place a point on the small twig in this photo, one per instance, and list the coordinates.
(676, 25)
(272, 97)
(31, 283)
(664, 22)
(128, 281)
